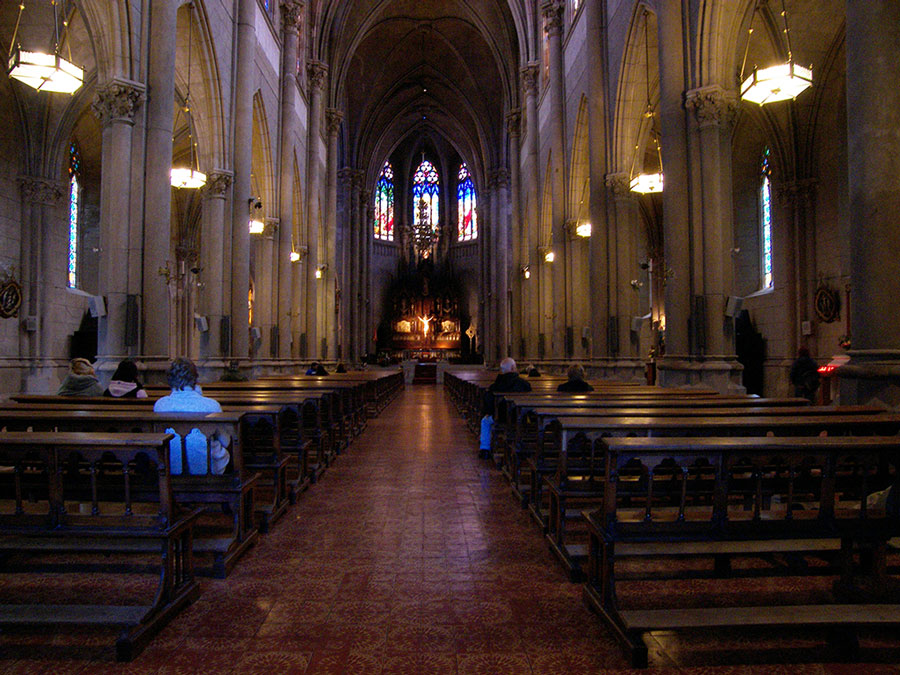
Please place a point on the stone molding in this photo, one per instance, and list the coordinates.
(42, 191)
(530, 77)
(514, 123)
(292, 15)
(333, 119)
(619, 185)
(316, 72)
(217, 183)
(118, 101)
(552, 13)
(713, 106)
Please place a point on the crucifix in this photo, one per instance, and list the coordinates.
(426, 320)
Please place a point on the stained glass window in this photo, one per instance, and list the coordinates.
(74, 199)
(384, 204)
(465, 197)
(765, 220)
(427, 187)
(545, 52)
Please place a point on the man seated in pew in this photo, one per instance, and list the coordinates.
(125, 382)
(575, 383)
(187, 396)
(80, 381)
(508, 381)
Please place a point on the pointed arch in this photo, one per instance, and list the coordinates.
(262, 180)
(580, 174)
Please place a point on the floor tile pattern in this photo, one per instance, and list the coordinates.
(409, 557)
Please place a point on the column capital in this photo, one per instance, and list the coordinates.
(36, 190)
(292, 15)
(552, 13)
(365, 195)
(796, 192)
(217, 183)
(498, 179)
(514, 123)
(118, 101)
(316, 72)
(333, 119)
(619, 185)
(530, 74)
(713, 106)
(346, 177)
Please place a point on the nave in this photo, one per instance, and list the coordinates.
(409, 557)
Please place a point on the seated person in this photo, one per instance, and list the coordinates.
(341, 368)
(125, 382)
(80, 381)
(507, 381)
(532, 371)
(576, 381)
(320, 370)
(186, 396)
(313, 367)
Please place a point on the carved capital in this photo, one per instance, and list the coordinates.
(514, 123)
(552, 13)
(345, 177)
(333, 119)
(619, 185)
(118, 101)
(316, 72)
(41, 190)
(713, 106)
(365, 196)
(797, 192)
(292, 15)
(217, 183)
(499, 179)
(530, 75)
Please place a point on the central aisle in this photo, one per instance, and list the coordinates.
(410, 556)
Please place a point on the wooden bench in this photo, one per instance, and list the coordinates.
(228, 527)
(716, 498)
(37, 514)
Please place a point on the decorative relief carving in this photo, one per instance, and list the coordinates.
(514, 123)
(345, 177)
(292, 15)
(552, 12)
(217, 183)
(118, 101)
(316, 72)
(619, 185)
(499, 179)
(36, 190)
(795, 193)
(333, 119)
(713, 106)
(530, 75)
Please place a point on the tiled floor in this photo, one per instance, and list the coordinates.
(410, 556)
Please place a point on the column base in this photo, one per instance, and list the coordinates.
(870, 377)
(721, 373)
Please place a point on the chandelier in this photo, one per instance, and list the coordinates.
(189, 177)
(423, 231)
(647, 183)
(44, 72)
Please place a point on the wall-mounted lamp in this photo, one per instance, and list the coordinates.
(295, 257)
(298, 253)
(547, 253)
(526, 271)
(583, 230)
(257, 226)
(320, 270)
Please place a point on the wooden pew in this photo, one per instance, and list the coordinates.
(715, 498)
(228, 496)
(36, 514)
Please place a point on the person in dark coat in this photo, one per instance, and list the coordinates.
(576, 383)
(508, 381)
(805, 375)
(125, 382)
(80, 380)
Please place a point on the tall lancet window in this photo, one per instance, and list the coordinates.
(765, 221)
(465, 196)
(426, 196)
(384, 204)
(74, 214)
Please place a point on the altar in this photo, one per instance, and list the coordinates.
(424, 326)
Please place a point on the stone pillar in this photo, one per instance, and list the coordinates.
(316, 71)
(601, 237)
(715, 110)
(486, 323)
(368, 246)
(346, 218)
(115, 105)
(500, 260)
(243, 162)
(364, 232)
(552, 12)
(531, 296)
(156, 309)
(517, 231)
(329, 279)
(676, 212)
(624, 224)
(291, 18)
(352, 294)
(873, 152)
(212, 262)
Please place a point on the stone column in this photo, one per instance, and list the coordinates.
(364, 233)
(873, 118)
(212, 262)
(531, 296)
(352, 292)
(115, 105)
(329, 279)
(346, 218)
(500, 260)
(368, 246)
(601, 237)
(291, 18)
(486, 323)
(243, 162)
(316, 71)
(676, 212)
(715, 110)
(624, 224)
(517, 230)
(156, 310)
(552, 12)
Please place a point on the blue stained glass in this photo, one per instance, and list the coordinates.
(427, 186)
(467, 227)
(74, 195)
(384, 204)
(766, 222)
